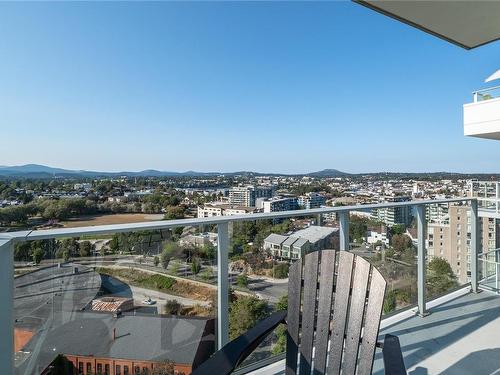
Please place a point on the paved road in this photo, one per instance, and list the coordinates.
(264, 288)
(118, 288)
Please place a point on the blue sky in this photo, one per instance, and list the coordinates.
(271, 87)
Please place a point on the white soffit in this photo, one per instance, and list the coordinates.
(493, 77)
(467, 23)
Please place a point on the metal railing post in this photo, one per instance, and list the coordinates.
(7, 309)
(222, 284)
(319, 219)
(421, 255)
(474, 246)
(496, 278)
(344, 230)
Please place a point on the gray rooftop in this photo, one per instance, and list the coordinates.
(290, 240)
(37, 294)
(138, 337)
(274, 238)
(300, 242)
(315, 233)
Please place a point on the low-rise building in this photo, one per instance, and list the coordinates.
(372, 237)
(223, 209)
(199, 240)
(103, 343)
(295, 245)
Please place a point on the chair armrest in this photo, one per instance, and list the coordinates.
(393, 357)
(232, 354)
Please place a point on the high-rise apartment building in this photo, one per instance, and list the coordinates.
(391, 216)
(280, 204)
(449, 235)
(312, 200)
(246, 195)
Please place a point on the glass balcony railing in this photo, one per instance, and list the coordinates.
(161, 297)
(486, 94)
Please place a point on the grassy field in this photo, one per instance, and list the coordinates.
(161, 283)
(91, 220)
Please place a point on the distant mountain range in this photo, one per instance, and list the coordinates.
(42, 171)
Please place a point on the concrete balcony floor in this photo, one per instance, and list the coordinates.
(460, 336)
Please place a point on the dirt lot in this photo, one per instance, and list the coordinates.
(84, 221)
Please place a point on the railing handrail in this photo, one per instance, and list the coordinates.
(488, 252)
(168, 224)
(485, 89)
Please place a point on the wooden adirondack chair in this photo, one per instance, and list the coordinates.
(335, 303)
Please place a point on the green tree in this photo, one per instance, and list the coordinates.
(357, 228)
(37, 255)
(244, 313)
(196, 265)
(22, 251)
(242, 280)
(440, 276)
(85, 248)
(398, 229)
(401, 242)
(174, 212)
(208, 251)
(169, 251)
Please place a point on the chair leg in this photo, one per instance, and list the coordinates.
(393, 357)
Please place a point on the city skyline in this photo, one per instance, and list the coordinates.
(267, 87)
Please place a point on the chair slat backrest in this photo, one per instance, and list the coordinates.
(334, 307)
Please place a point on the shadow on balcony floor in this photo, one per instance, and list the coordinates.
(458, 337)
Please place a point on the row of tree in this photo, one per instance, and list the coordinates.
(59, 209)
(49, 249)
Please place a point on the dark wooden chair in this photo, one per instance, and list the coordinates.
(334, 308)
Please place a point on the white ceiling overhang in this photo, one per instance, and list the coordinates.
(467, 23)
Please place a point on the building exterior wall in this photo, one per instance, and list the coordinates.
(108, 366)
(247, 195)
(391, 216)
(449, 238)
(211, 210)
(281, 204)
(311, 200)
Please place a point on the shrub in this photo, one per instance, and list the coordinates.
(280, 270)
(244, 313)
(390, 302)
(242, 280)
(172, 307)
